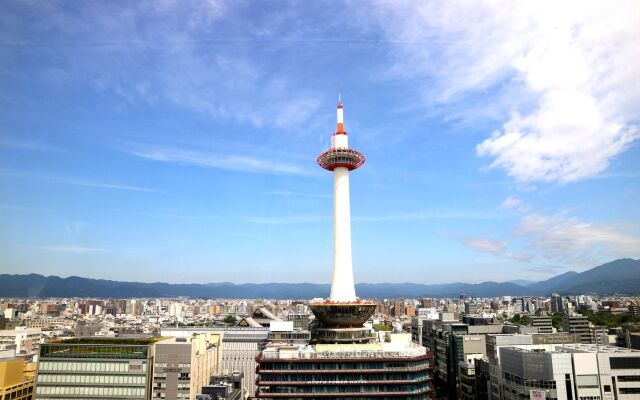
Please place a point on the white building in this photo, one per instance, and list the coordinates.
(569, 372)
(26, 340)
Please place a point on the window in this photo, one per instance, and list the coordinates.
(629, 378)
(624, 362)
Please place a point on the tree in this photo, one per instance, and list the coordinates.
(230, 319)
(381, 327)
(556, 320)
(519, 320)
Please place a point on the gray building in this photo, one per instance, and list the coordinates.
(525, 370)
(542, 322)
(494, 344)
(470, 307)
(182, 366)
(240, 347)
(577, 325)
(557, 305)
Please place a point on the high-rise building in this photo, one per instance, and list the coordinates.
(557, 303)
(96, 368)
(345, 359)
(14, 383)
(182, 366)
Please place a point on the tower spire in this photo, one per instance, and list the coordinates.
(340, 117)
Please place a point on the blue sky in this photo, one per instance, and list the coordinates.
(176, 141)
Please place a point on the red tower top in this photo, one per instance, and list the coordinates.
(340, 115)
(340, 155)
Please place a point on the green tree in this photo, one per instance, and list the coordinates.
(230, 319)
(381, 327)
(519, 320)
(556, 320)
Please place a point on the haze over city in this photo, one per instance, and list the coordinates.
(177, 142)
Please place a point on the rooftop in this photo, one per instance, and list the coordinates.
(114, 341)
(594, 348)
(324, 351)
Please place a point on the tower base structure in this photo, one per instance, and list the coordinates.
(338, 322)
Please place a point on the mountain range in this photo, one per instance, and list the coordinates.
(621, 276)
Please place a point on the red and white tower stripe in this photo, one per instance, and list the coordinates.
(341, 159)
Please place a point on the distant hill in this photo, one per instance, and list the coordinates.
(552, 284)
(619, 276)
(521, 282)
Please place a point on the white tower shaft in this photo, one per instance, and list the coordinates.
(342, 286)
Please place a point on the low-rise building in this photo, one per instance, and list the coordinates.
(577, 325)
(542, 322)
(15, 383)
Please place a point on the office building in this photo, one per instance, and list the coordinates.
(494, 344)
(240, 347)
(557, 304)
(96, 368)
(470, 307)
(14, 383)
(570, 371)
(615, 370)
(474, 379)
(577, 325)
(182, 366)
(26, 340)
(525, 370)
(398, 308)
(542, 322)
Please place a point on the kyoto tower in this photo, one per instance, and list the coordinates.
(342, 316)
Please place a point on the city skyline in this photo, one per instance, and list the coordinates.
(177, 142)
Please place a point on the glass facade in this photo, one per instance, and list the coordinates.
(94, 351)
(93, 371)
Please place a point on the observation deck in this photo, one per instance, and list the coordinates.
(341, 157)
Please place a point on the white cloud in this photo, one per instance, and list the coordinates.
(289, 219)
(511, 202)
(425, 215)
(288, 193)
(497, 248)
(71, 249)
(238, 162)
(485, 245)
(567, 73)
(21, 144)
(569, 239)
(62, 180)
